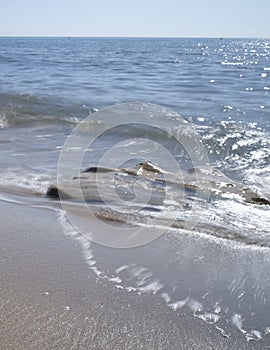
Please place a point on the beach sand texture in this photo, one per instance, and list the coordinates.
(50, 299)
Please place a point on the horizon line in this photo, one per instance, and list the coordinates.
(133, 36)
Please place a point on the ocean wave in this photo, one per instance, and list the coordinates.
(28, 110)
(227, 219)
(240, 150)
(202, 201)
(236, 148)
(25, 181)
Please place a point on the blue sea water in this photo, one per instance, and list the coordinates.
(192, 76)
(219, 87)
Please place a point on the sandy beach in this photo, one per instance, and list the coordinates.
(50, 299)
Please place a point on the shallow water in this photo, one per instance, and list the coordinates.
(217, 91)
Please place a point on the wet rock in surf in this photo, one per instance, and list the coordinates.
(95, 184)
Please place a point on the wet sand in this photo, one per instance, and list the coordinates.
(50, 299)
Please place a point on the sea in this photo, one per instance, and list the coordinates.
(179, 103)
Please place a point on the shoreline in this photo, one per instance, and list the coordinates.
(49, 298)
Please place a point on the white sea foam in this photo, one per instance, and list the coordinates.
(195, 305)
(165, 297)
(3, 120)
(209, 317)
(232, 63)
(267, 330)
(237, 321)
(91, 263)
(256, 333)
(221, 331)
(24, 180)
(178, 304)
(152, 287)
(121, 268)
(217, 309)
(115, 280)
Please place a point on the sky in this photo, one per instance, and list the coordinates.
(135, 18)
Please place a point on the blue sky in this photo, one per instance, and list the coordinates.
(170, 18)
